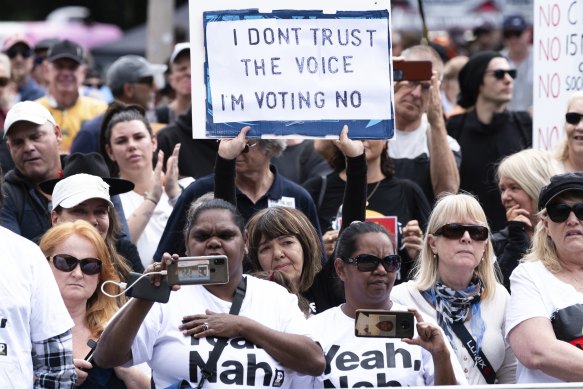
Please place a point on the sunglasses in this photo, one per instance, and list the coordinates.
(558, 213)
(148, 80)
(4, 81)
(14, 51)
(500, 74)
(369, 262)
(67, 263)
(424, 85)
(573, 118)
(512, 34)
(456, 231)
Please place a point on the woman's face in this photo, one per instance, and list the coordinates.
(567, 235)
(94, 211)
(215, 233)
(76, 287)
(284, 253)
(368, 289)
(374, 148)
(131, 146)
(574, 132)
(512, 194)
(461, 255)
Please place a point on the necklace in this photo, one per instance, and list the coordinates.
(373, 192)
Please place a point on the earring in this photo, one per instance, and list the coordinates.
(435, 257)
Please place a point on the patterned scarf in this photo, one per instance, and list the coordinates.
(454, 305)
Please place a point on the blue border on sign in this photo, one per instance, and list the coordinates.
(359, 129)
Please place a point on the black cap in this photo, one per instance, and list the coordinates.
(561, 183)
(514, 23)
(66, 49)
(471, 76)
(90, 163)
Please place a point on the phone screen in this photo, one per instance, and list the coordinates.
(384, 324)
(203, 270)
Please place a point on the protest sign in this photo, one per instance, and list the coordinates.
(558, 66)
(293, 72)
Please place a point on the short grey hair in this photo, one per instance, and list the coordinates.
(273, 147)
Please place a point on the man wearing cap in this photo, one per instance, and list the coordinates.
(131, 80)
(18, 48)
(179, 79)
(518, 50)
(33, 139)
(41, 51)
(65, 72)
(36, 345)
(487, 131)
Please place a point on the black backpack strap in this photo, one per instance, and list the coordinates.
(322, 191)
(222, 342)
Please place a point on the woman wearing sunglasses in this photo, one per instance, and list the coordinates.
(521, 176)
(455, 285)
(569, 151)
(366, 264)
(80, 262)
(545, 313)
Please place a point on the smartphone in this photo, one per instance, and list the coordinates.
(92, 344)
(373, 323)
(146, 290)
(203, 270)
(411, 70)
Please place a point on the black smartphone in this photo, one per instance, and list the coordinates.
(146, 290)
(411, 70)
(202, 270)
(373, 323)
(92, 345)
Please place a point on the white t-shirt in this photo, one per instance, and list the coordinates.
(31, 307)
(412, 144)
(495, 348)
(367, 362)
(536, 292)
(148, 241)
(160, 343)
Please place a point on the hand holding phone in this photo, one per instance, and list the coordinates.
(373, 323)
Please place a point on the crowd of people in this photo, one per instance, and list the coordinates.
(483, 253)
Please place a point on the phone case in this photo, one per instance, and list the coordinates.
(412, 70)
(372, 323)
(203, 270)
(145, 290)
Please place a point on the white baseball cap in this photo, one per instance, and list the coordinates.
(28, 111)
(75, 189)
(179, 48)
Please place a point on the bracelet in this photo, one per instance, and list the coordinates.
(147, 198)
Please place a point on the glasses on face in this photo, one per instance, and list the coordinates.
(249, 145)
(573, 118)
(414, 84)
(512, 34)
(558, 213)
(14, 51)
(500, 74)
(38, 60)
(369, 262)
(94, 85)
(67, 263)
(456, 231)
(4, 81)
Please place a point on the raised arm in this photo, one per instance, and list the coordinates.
(444, 172)
(229, 150)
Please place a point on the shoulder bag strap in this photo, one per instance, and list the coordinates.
(222, 342)
(322, 190)
(479, 358)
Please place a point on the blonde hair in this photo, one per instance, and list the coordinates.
(531, 169)
(454, 208)
(99, 308)
(561, 151)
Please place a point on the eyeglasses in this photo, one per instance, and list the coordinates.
(369, 262)
(500, 74)
(148, 80)
(250, 145)
(414, 84)
(573, 118)
(14, 51)
(4, 81)
(94, 85)
(558, 213)
(456, 231)
(512, 34)
(67, 263)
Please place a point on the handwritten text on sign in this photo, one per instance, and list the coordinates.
(312, 69)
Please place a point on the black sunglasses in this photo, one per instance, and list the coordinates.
(558, 213)
(499, 74)
(67, 263)
(4, 81)
(14, 51)
(369, 262)
(456, 231)
(512, 34)
(573, 118)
